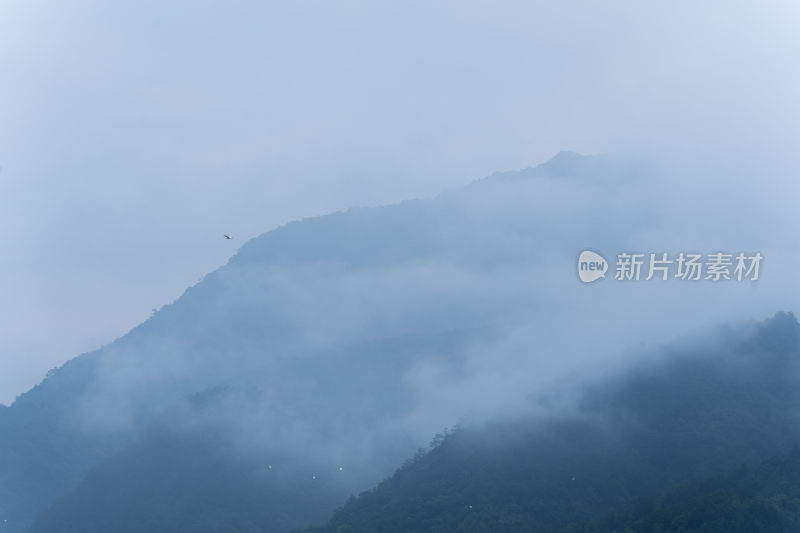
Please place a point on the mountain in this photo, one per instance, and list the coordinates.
(193, 481)
(629, 458)
(622, 459)
(765, 498)
(345, 341)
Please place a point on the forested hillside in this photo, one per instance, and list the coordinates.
(702, 411)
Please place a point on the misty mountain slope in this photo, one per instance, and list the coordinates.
(291, 407)
(701, 410)
(704, 409)
(367, 331)
(323, 313)
(41, 457)
(195, 479)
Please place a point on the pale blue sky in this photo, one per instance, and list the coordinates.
(134, 134)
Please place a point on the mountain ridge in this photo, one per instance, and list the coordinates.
(434, 311)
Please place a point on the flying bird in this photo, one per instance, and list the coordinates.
(227, 236)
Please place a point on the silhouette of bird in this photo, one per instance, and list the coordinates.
(227, 236)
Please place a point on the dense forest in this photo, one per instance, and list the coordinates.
(764, 499)
(669, 447)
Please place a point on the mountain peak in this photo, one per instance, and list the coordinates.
(566, 164)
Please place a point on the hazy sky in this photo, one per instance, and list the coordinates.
(133, 135)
